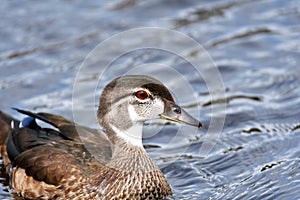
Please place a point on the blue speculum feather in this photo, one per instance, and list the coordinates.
(29, 122)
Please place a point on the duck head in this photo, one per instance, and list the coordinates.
(128, 101)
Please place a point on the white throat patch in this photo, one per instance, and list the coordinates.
(132, 135)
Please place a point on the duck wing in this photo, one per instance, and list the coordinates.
(50, 155)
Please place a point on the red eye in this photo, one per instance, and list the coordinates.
(142, 94)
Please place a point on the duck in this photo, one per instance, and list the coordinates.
(66, 160)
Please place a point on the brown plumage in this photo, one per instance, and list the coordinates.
(56, 163)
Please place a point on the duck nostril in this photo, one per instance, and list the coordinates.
(177, 110)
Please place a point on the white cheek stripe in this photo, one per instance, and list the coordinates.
(132, 114)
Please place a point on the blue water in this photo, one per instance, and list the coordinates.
(254, 45)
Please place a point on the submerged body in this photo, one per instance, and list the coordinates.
(49, 163)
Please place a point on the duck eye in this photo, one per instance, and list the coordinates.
(142, 94)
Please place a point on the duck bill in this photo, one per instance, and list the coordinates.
(175, 113)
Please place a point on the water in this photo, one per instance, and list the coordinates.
(254, 44)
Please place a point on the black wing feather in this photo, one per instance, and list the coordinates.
(49, 155)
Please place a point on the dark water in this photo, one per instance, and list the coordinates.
(254, 44)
